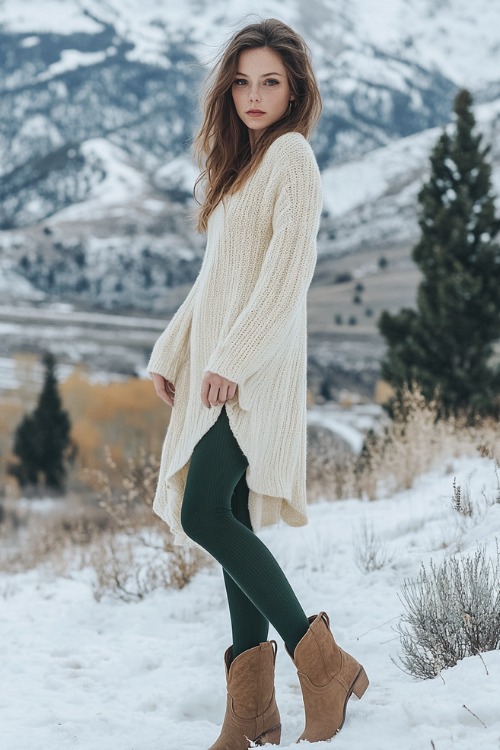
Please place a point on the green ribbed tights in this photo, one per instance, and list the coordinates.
(215, 514)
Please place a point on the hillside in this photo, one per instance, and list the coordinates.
(98, 105)
(148, 674)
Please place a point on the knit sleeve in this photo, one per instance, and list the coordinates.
(171, 346)
(264, 324)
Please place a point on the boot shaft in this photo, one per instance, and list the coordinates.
(328, 676)
(317, 652)
(250, 679)
(251, 710)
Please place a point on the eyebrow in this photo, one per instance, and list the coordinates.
(264, 75)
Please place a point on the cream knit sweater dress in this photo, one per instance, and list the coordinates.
(245, 318)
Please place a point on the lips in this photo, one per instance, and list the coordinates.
(255, 112)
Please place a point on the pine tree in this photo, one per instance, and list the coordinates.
(446, 344)
(42, 441)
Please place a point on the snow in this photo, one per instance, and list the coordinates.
(55, 314)
(350, 424)
(71, 59)
(368, 178)
(456, 38)
(12, 378)
(144, 675)
(30, 41)
(375, 196)
(179, 172)
(371, 197)
(10, 279)
(64, 15)
(121, 184)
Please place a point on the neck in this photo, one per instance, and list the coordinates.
(253, 136)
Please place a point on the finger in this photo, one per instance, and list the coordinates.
(204, 398)
(213, 395)
(205, 386)
(166, 397)
(223, 395)
(204, 394)
(161, 386)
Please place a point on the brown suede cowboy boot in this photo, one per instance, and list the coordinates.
(328, 676)
(251, 710)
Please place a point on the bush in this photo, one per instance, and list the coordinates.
(343, 277)
(52, 537)
(452, 612)
(415, 441)
(139, 556)
(369, 552)
(461, 500)
(115, 533)
(130, 568)
(328, 459)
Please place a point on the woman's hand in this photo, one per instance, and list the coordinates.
(216, 390)
(164, 388)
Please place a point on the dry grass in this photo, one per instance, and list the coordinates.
(48, 533)
(111, 527)
(370, 553)
(124, 415)
(461, 500)
(413, 443)
(141, 557)
(128, 570)
(114, 532)
(328, 464)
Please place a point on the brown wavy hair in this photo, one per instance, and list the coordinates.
(221, 146)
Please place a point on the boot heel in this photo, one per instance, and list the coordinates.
(271, 737)
(360, 684)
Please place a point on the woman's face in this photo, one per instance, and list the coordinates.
(261, 84)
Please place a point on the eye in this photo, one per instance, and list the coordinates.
(269, 80)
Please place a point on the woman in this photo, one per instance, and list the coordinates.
(232, 364)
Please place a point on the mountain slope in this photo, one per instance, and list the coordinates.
(99, 104)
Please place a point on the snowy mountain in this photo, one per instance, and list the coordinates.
(374, 198)
(99, 102)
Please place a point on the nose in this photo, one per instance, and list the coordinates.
(254, 96)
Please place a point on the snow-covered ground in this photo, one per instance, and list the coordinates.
(351, 424)
(149, 675)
